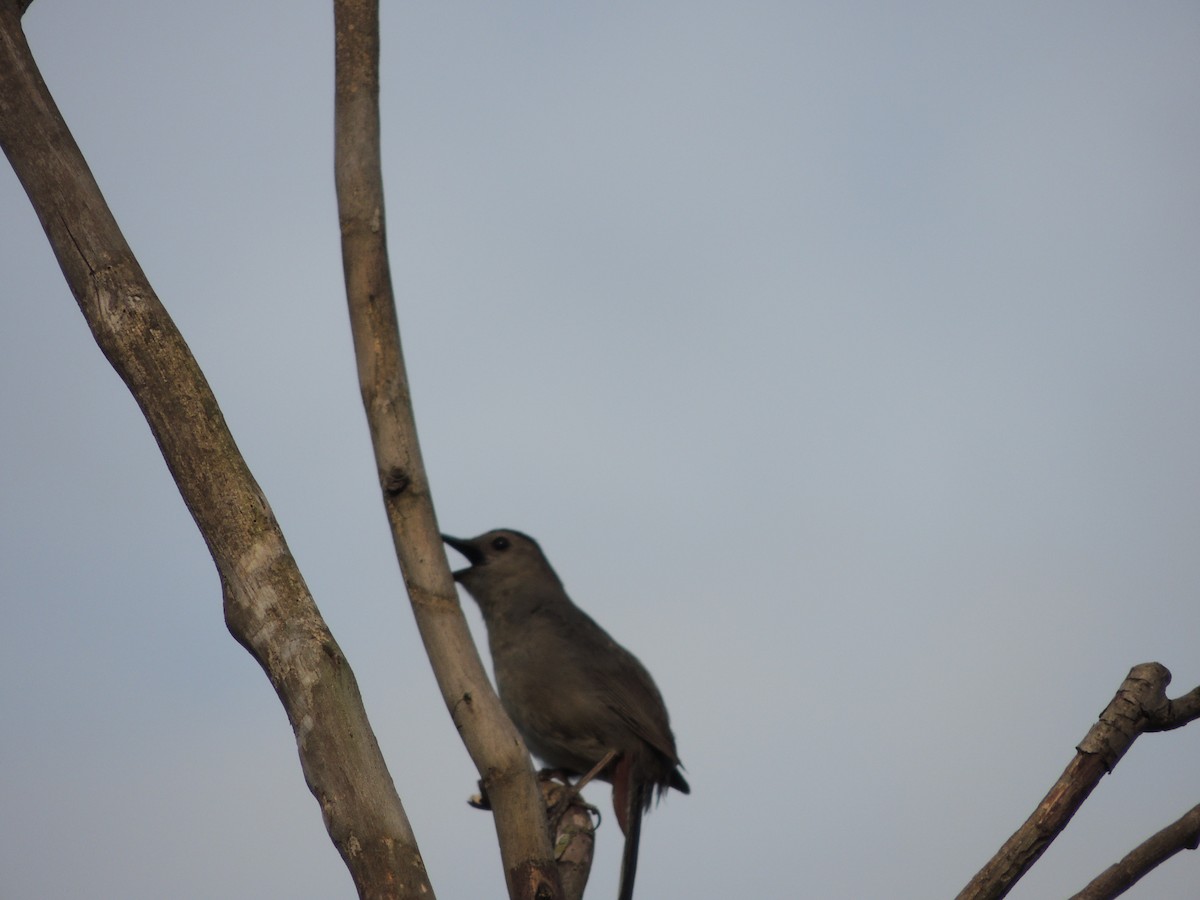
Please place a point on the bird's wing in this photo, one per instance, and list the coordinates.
(638, 703)
(613, 676)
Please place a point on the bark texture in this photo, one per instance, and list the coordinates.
(268, 608)
(492, 741)
(574, 838)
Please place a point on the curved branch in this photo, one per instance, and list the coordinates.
(1182, 834)
(268, 608)
(490, 738)
(1140, 705)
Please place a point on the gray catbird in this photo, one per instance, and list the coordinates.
(579, 699)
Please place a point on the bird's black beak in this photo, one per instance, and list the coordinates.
(467, 548)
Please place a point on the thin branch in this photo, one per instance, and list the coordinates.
(1140, 705)
(490, 738)
(268, 608)
(1182, 834)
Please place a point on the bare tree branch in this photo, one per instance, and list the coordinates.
(1182, 834)
(1140, 705)
(267, 605)
(490, 738)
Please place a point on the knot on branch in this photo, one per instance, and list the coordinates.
(397, 482)
(1140, 705)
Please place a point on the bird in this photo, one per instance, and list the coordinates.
(583, 704)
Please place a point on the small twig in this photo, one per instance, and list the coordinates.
(583, 782)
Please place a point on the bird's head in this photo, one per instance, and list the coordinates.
(505, 565)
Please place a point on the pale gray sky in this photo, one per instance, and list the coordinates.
(843, 359)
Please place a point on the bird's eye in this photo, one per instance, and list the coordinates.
(501, 543)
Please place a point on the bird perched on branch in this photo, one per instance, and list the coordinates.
(582, 702)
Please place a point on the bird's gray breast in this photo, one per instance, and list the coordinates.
(552, 698)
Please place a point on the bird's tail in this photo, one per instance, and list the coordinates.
(633, 833)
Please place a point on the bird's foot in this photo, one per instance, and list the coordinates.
(561, 798)
(480, 800)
